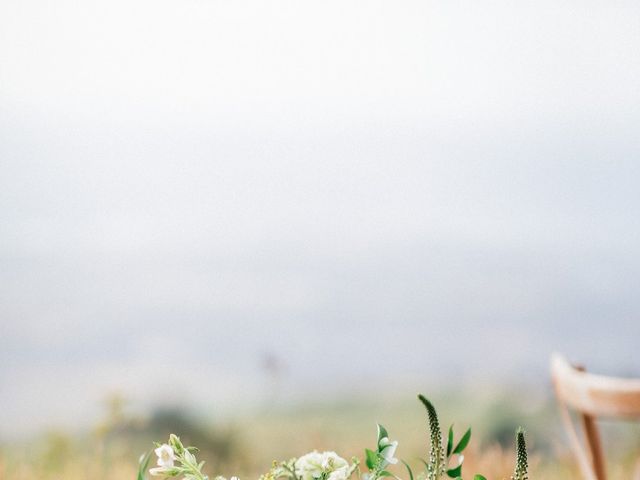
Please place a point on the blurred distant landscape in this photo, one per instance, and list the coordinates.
(246, 445)
(267, 226)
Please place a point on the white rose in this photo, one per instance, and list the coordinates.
(315, 465)
(309, 466)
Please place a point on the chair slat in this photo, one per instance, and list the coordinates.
(595, 395)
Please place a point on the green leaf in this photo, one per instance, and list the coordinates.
(450, 440)
(382, 432)
(408, 469)
(479, 477)
(455, 472)
(464, 441)
(384, 473)
(371, 458)
(143, 465)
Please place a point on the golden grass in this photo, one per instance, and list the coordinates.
(111, 452)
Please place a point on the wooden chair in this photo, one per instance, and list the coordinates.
(592, 396)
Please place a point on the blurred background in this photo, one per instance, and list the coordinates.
(240, 220)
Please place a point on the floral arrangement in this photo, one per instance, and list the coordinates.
(176, 460)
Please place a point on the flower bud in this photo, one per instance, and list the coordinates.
(164, 471)
(175, 442)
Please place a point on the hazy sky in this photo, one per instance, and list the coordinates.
(403, 190)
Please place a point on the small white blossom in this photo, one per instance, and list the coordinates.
(388, 451)
(221, 477)
(166, 455)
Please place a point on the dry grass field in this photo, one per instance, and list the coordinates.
(246, 445)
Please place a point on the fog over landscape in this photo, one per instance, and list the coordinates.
(435, 192)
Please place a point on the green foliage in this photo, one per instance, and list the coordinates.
(221, 447)
(455, 472)
(371, 459)
(438, 464)
(464, 441)
(409, 471)
(286, 469)
(180, 461)
(378, 460)
(143, 465)
(175, 460)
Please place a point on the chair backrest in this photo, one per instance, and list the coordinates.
(592, 396)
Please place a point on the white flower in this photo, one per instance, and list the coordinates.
(388, 450)
(315, 465)
(166, 456)
(309, 466)
(220, 477)
(160, 471)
